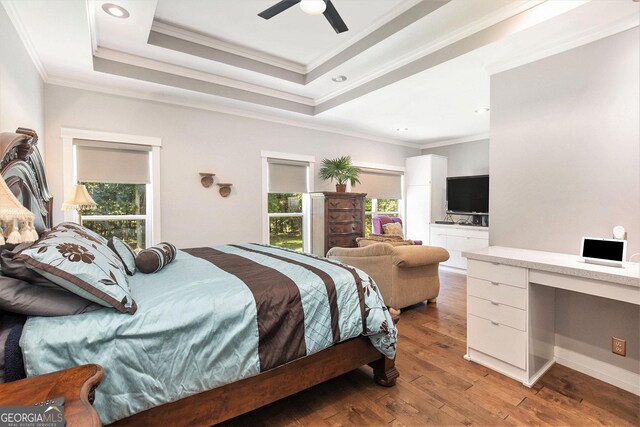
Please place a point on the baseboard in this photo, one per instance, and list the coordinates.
(453, 269)
(603, 371)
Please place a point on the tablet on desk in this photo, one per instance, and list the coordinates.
(611, 252)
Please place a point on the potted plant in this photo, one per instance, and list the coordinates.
(340, 170)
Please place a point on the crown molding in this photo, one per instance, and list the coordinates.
(462, 140)
(212, 42)
(171, 100)
(571, 42)
(138, 61)
(14, 17)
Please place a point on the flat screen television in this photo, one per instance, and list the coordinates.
(468, 194)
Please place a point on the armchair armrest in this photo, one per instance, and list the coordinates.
(377, 249)
(417, 256)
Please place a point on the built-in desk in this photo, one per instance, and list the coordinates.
(511, 306)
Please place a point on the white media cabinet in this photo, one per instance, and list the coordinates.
(456, 239)
(511, 309)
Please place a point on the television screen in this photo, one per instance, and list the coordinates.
(468, 194)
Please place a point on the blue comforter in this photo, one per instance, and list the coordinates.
(211, 317)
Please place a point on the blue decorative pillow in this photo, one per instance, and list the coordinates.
(153, 259)
(125, 253)
(73, 257)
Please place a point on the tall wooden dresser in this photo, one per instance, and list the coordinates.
(337, 219)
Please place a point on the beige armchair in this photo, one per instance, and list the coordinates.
(405, 275)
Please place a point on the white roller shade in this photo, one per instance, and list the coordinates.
(287, 176)
(112, 163)
(380, 184)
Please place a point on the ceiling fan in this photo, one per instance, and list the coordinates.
(312, 7)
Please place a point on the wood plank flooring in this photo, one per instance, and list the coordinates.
(438, 387)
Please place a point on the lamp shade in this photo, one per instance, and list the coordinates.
(10, 207)
(78, 198)
(17, 219)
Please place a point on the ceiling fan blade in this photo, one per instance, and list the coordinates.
(334, 18)
(277, 8)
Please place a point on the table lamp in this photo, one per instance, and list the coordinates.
(16, 221)
(78, 199)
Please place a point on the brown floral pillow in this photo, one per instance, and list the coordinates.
(81, 262)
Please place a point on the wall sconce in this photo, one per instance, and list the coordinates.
(207, 180)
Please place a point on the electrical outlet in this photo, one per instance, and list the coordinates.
(619, 346)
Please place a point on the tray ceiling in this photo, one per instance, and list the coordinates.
(420, 65)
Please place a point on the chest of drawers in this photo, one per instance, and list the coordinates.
(337, 219)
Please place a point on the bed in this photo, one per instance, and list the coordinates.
(170, 363)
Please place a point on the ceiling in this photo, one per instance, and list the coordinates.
(416, 69)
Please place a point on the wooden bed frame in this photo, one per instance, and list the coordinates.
(22, 168)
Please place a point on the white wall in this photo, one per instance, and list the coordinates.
(468, 158)
(21, 87)
(196, 141)
(565, 148)
(565, 163)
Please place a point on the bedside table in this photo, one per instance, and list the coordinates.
(76, 385)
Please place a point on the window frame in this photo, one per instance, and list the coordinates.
(70, 172)
(374, 202)
(306, 198)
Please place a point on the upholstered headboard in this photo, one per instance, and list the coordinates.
(22, 169)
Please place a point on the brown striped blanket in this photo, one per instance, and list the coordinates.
(211, 317)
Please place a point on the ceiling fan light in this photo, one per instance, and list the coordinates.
(313, 7)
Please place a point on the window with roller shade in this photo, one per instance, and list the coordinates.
(287, 206)
(118, 178)
(384, 194)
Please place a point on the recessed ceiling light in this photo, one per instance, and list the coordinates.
(482, 110)
(115, 10)
(339, 79)
(402, 129)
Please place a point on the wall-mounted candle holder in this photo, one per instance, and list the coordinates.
(206, 179)
(225, 189)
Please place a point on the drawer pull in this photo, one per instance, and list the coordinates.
(495, 263)
(495, 303)
(495, 283)
(495, 323)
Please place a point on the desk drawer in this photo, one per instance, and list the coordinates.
(497, 340)
(498, 273)
(497, 312)
(497, 292)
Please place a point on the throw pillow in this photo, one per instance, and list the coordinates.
(125, 253)
(73, 257)
(393, 229)
(24, 291)
(153, 259)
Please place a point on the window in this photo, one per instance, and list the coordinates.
(121, 212)
(384, 191)
(287, 203)
(375, 207)
(118, 178)
(286, 220)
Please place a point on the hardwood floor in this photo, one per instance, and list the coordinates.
(438, 387)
